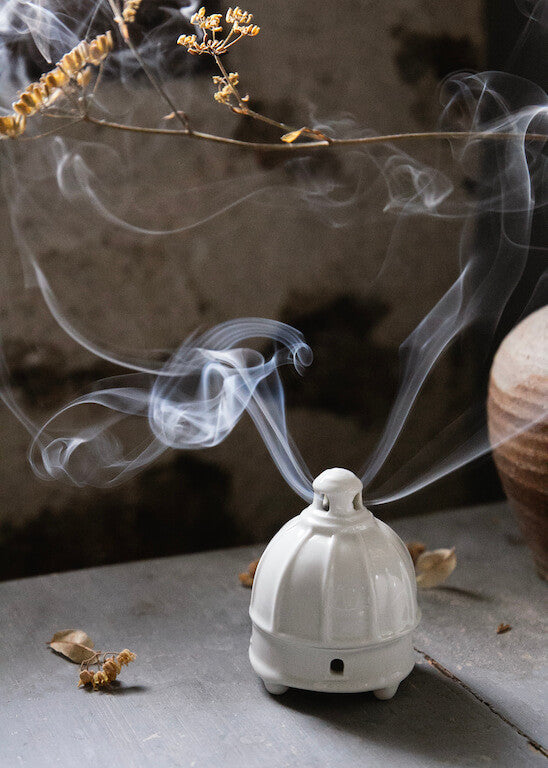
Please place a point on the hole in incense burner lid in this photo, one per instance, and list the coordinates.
(337, 666)
(339, 492)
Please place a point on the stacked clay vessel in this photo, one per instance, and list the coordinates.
(518, 427)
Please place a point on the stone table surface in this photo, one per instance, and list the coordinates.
(475, 698)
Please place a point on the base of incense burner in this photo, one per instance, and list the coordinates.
(283, 664)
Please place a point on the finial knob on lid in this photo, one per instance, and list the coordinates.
(339, 491)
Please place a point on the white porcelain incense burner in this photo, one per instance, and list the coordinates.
(334, 600)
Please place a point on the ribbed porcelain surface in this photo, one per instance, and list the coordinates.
(336, 577)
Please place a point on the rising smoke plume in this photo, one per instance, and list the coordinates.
(193, 397)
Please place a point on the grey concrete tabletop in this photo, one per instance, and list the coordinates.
(475, 697)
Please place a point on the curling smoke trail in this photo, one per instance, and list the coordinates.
(196, 398)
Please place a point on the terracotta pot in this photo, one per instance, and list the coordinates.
(517, 411)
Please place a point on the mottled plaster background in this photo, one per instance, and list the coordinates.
(380, 63)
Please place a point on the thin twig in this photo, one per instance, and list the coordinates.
(243, 108)
(58, 129)
(318, 145)
(232, 87)
(179, 114)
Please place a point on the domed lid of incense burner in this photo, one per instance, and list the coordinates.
(335, 576)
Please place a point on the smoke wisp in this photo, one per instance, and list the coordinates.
(194, 397)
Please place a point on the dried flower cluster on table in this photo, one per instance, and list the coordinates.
(77, 645)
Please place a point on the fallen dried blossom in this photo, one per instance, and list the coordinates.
(246, 578)
(77, 645)
(434, 567)
(111, 668)
(415, 548)
(86, 677)
(502, 628)
(100, 680)
(125, 657)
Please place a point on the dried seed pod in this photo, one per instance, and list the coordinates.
(111, 668)
(83, 78)
(20, 108)
(53, 81)
(104, 45)
(434, 567)
(130, 10)
(187, 40)
(235, 15)
(100, 679)
(241, 27)
(84, 53)
(73, 66)
(125, 657)
(86, 677)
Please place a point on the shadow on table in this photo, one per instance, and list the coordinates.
(429, 716)
(117, 688)
(448, 589)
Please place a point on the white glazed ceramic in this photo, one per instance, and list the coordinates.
(334, 600)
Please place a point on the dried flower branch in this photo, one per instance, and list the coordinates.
(211, 26)
(227, 92)
(71, 75)
(77, 646)
(226, 88)
(71, 72)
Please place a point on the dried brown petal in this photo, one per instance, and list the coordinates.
(246, 579)
(73, 636)
(86, 677)
(416, 548)
(75, 644)
(434, 567)
(502, 628)
(290, 137)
